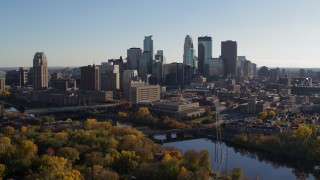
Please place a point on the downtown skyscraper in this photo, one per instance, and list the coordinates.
(133, 56)
(148, 45)
(40, 71)
(188, 52)
(204, 52)
(145, 61)
(229, 56)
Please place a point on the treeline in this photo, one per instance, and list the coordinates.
(302, 143)
(97, 151)
(144, 117)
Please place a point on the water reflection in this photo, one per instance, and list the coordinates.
(255, 164)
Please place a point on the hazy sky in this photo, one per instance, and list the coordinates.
(284, 33)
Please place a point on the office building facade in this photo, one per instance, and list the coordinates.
(229, 56)
(133, 56)
(204, 52)
(188, 52)
(110, 78)
(90, 79)
(40, 71)
(139, 92)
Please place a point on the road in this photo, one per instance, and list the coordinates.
(68, 109)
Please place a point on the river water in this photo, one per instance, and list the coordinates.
(255, 166)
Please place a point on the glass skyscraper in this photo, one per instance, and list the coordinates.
(204, 52)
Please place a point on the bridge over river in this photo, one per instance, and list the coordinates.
(68, 109)
(173, 135)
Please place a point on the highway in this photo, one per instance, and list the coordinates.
(68, 109)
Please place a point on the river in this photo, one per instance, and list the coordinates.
(255, 166)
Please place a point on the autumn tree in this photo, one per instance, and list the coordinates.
(53, 167)
(127, 161)
(303, 133)
(99, 172)
(2, 171)
(8, 130)
(237, 174)
(69, 153)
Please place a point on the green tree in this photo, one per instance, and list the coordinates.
(191, 160)
(69, 153)
(127, 161)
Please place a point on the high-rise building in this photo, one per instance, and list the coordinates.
(302, 73)
(110, 78)
(247, 69)
(214, 67)
(122, 66)
(133, 56)
(274, 74)
(204, 52)
(254, 69)
(145, 64)
(229, 55)
(263, 71)
(157, 71)
(177, 75)
(159, 56)
(128, 76)
(2, 85)
(188, 52)
(24, 76)
(90, 79)
(148, 45)
(40, 71)
(13, 78)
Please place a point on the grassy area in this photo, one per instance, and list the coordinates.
(199, 120)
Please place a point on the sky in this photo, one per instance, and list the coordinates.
(274, 33)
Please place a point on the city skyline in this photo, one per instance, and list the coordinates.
(273, 34)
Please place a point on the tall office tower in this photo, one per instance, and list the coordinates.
(247, 69)
(274, 75)
(128, 76)
(214, 68)
(229, 55)
(240, 64)
(40, 71)
(177, 75)
(302, 73)
(133, 56)
(188, 52)
(122, 66)
(148, 45)
(254, 69)
(145, 64)
(159, 56)
(90, 79)
(263, 71)
(156, 76)
(204, 52)
(2, 81)
(24, 76)
(110, 78)
(2, 85)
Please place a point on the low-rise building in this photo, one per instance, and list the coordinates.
(140, 92)
(179, 109)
